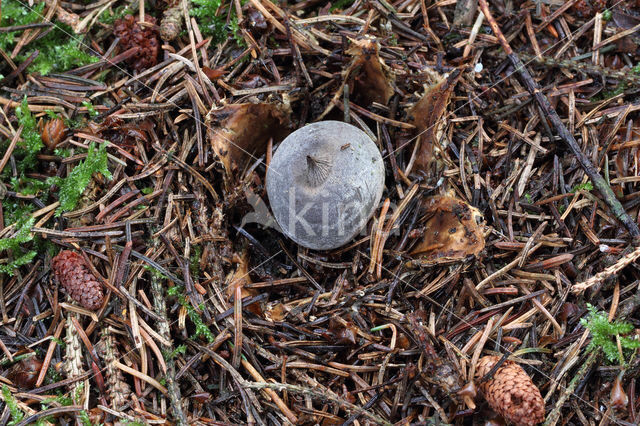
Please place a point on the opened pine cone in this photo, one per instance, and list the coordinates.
(75, 277)
(132, 34)
(510, 392)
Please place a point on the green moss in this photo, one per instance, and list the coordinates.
(235, 30)
(59, 52)
(31, 142)
(604, 335)
(14, 13)
(84, 418)
(194, 261)
(74, 185)
(607, 94)
(182, 349)
(108, 17)
(210, 24)
(201, 327)
(12, 403)
(59, 49)
(341, 5)
(587, 186)
(15, 245)
(90, 108)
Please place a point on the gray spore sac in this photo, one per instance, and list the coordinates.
(324, 182)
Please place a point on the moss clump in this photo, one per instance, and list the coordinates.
(12, 403)
(59, 49)
(604, 335)
(201, 327)
(59, 52)
(74, 185)
(108, 17)
(15, 245)
(13, 14)
(214, 26)
(31, 142)
(209, 23)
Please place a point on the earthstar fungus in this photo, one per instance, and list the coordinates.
(324, 182)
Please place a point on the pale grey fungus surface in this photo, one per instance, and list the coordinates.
(324, 182)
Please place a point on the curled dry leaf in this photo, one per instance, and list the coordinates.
(427, 114)
(124, 134)
(256, 21)
(241, 130)
(341, 332)
(370, 79)
(437, 370)
(510, 392)
(213, 73)
(453, 231)
(465, 12)
(587, 8)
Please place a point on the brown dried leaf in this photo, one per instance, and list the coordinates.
(453, 231)
(275, 312)
(69, 18)
(623, 19)
(370, 79)
(341, 332)
(213, 73)
(241, 130)
(465, 11)
(427, 114)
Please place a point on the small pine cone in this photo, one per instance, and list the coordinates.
(132, 34)
(72, 273)
(171, 23)
(510, 392)
(69, 18)
(118, 389)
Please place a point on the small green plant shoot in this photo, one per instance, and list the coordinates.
(201, 327)
(31, 142)
(74, 185)
(604, 335)
(15, 244)
(14, 410)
